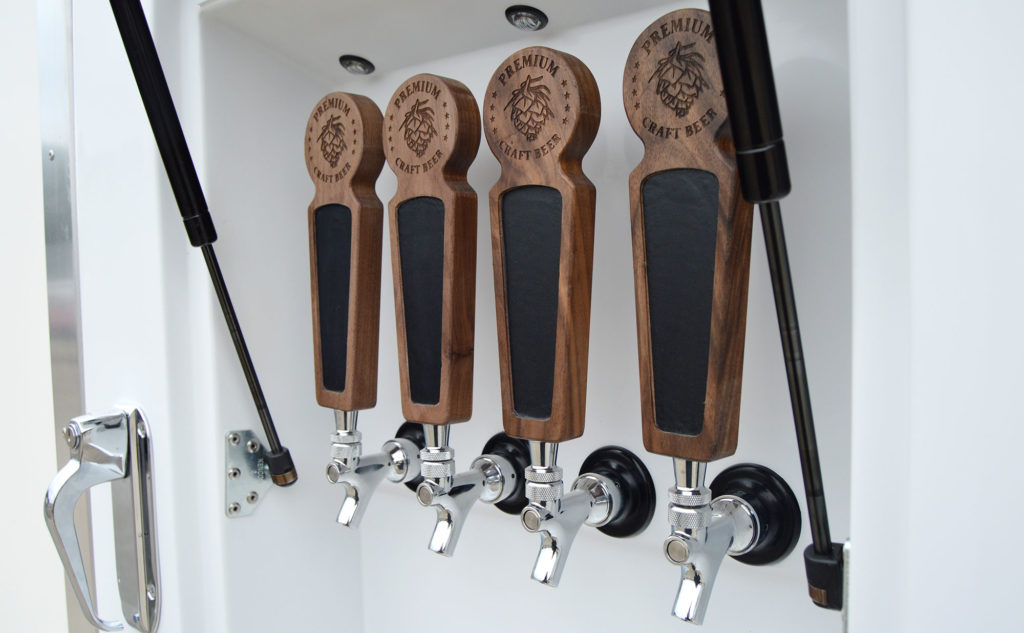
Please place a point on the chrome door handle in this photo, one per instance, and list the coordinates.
(111, 446)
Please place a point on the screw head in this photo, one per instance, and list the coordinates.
(234, 508)
(531, 519)
(252, 446)
(424, 494)
(234, 439)
(72, 436)
(234, 473)
(334, 472)
(676, 550)
(252, 497)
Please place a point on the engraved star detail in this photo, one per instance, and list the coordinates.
(492, 118)
(565, 120)
(567, 107)
(567, 95)
(636, 106)
(634, 79)
(492, 106)
(391, 117)
(494, 95)
(565, 82)
(446, 137)
(447, 116)
(494, 129)
(446, 126)
(636, 65)
(444, 105)
(634, 92)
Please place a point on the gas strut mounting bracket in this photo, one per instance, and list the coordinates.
(246, 473)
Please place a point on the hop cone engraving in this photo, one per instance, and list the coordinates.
(681, 78)
(332, 140)
(419, 127)
(529, 104)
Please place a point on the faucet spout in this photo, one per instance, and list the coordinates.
(360, 475)
(452, 507)
(557, 521)
(707, 548)
(358, 485)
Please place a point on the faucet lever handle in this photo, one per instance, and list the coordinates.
(113, 446)
(346, 223)
(689, 222)
(432, 134)
(541, 119)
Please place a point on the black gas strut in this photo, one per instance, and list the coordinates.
(764, 175)
(181, 172)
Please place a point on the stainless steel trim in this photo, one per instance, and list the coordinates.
(56, 116)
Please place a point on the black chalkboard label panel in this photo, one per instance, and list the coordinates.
(680, 229)
(531, 224)
(333, 226)
(421, 249)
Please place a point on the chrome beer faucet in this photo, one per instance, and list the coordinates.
(596, 499)
(755, 519)
(398, 461)
(703, 531)
(494, 478)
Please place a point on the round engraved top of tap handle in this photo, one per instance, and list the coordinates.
(336, 139)
(671, 87)
(427, 121)
(539, 103)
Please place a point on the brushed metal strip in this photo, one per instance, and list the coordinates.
(56, 99)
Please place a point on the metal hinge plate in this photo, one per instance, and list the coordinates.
(246, 474)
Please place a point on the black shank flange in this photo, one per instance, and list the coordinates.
(517, 452)
(778, 512)
(414, 433)
(626, 470)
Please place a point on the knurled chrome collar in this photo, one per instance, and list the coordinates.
(689, 497)
(688, 518)
(436, 454)
(437, 470)
(543, 491)
(546, 476)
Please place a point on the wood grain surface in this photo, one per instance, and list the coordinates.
(541, 114)
(344, 157)
(674, 100)
(431, 135)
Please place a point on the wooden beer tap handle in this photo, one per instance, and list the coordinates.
(691, 241)
(541, 113)
(431, 136)
(344, 157)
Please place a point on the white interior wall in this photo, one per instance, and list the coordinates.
(256, 103)
(937, 344)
